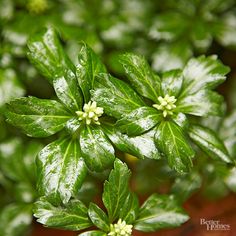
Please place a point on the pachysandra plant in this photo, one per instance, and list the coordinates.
(170, 102)
(85, 141)
(123, 211)
(95, 114)
(63, 163)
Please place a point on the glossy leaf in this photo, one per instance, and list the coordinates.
(172, 82)
(88, 67)
(68, 92)
(209, 142)
(129, 211)
(46, 53)
(200, 76)
(96, 149)
(72, 125)
(37, 117)
(72, 216)
(61, 170)
(142, 146)
(139, 121)
(98, 217)
(10, 86)
(15, 219)
(116, 190)
(181, 120)
(115, 96)
(203, 73)
(158, 212)
(202, 103)
(171, 140)
(141, 76)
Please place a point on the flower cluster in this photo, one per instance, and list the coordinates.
(120, 229)
(167, 104)
(90, 113)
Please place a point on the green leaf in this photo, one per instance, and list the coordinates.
(184, 186)
(46, 53)
(88, 67)
(73, 124)
(71, 216)
(98, 217)
(10, 87)
(68, 91)
(130, 209)
(115, 96)
(203, 73)
(202, 103)
(116, 190)
(172, 82)
(37, 117)
(93, 233)
(181, 120)
(15, 219)
(200, 76)
(139, 121)
(171, 140)
(142, 146)
(141, 76)
(61, 170)
(209, 142)
(96, 149)
(158, 212)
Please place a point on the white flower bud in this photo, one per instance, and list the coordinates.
(166, 104)
(120, 229)
(90, 113)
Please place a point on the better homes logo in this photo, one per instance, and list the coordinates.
(214, 225)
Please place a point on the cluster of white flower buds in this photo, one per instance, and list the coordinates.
(120, 229)
(167, 104)
(90, 113)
